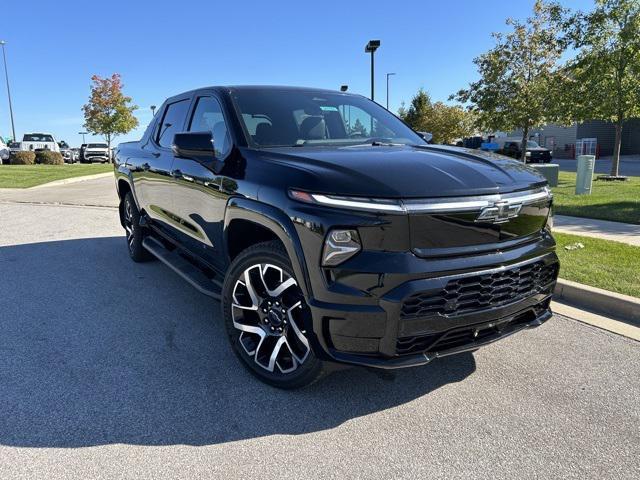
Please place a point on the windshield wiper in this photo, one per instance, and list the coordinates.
(374, 142)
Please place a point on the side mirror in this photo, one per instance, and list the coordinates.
(196, 146)
(426, 136)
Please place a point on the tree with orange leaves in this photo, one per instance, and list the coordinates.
(109, 112)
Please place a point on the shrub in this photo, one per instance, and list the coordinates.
(48, 157)
(23, 158)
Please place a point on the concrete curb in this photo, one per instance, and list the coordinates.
(614, 326)
(615, 305)
(65, 181)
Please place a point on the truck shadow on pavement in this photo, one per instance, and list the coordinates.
(95, 350)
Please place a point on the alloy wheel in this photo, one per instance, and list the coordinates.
(267, 309)
(128, 223)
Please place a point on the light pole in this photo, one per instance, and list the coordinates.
(371, 48)
(153, 110)
(388, 75)
(6, 76)
(83, 134)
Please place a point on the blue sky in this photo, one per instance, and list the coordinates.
(162, 48)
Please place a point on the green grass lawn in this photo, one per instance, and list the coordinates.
(615, 201)
(24, 176)
(604, 264)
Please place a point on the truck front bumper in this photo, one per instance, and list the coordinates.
(423, 319)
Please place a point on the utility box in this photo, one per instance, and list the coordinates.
(584, 177)
(550, 171)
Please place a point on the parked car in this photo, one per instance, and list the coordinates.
(76, 154)
(13, 148)
(81, 152)
(5, 153)
(534, 154)
(329, 244)
(96, 152)
(473, 142)
(67, 153)
(39, 141)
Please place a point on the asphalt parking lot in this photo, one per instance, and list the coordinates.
(115, 369)
(629, 165)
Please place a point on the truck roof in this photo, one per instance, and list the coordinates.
(259, 87)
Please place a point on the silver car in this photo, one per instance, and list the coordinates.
(4, 152)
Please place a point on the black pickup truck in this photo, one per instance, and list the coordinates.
(332, 232)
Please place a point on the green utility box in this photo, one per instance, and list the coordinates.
(584, 178)
(550, 171)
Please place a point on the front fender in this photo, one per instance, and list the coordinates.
(276, 221)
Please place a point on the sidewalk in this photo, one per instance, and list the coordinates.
(618, 232)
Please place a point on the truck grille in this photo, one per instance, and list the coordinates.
(478, 292)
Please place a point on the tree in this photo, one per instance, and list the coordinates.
(520, 81)
(445, 122)
(109, 112)
(419, 111)
(604, 74)
(358, 127)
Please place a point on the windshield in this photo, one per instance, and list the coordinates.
(97, 145)
(532, 144)
(37, 137)
(299, 118)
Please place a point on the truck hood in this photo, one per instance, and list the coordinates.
(404, 171)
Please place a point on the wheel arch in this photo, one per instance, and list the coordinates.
(265, 222)
(122, 187)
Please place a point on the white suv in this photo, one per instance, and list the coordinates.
(39, 141)
(96, 152)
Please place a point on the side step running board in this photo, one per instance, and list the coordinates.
(186, 270)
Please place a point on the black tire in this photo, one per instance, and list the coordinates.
(134, 233)
(269, 258)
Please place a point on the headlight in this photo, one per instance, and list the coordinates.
(339, 246)
(527, 154)
(350, 203)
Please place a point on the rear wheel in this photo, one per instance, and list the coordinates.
(133, 231)
(266, 314)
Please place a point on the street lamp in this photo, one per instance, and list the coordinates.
(83, 134)
(344, 88)
(388, 75)
(153, 110)
(6, 76)
(371, 48)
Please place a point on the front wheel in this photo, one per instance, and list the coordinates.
(266, 315)
(134, 232)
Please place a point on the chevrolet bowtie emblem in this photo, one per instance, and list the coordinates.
(499, 212)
